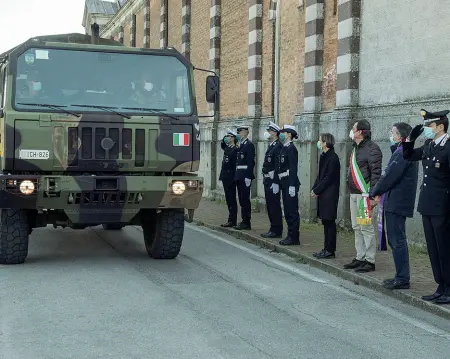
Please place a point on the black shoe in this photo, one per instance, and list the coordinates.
(444, 299)
(270, 235)
(288, 241)
(389, 280)
(432, 297)
(325, 255)
(396, 284)
(366, 267)
(319, 253)
(242, 226)
(354, 264)
(228, 225)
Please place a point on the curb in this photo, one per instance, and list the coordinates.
(354, 277)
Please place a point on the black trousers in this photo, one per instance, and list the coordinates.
(291, 212)
(438, 244)
(330, 235)
(229, 187)
(273, 205)
(244, 201)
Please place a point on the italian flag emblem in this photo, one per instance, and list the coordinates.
(181, 139)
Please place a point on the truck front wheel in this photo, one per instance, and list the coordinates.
(163, 233)
(14, 233)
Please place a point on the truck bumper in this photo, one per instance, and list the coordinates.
(100, 196)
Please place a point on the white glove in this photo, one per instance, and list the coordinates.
(248, 182)
(275, 188)
(292, 191)
(271, 174)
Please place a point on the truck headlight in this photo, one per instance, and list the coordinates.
(26, 187)
(178, 187)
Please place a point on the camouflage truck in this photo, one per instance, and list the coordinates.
(97, 133)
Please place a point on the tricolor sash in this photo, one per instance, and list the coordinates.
(364, 215)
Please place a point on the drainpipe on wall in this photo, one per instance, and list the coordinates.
(277, 63)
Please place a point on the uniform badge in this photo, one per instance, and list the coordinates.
(269, 159)
(242, 156)
(282, 159)
(226, 159)
(437, 165)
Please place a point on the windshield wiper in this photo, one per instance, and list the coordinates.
(104, 108)
(58, 107)
(159, 111)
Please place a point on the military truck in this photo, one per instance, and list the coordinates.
(97, 133)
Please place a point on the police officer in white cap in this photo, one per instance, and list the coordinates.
(245, 165)
(273, 202)
(286, 175)
(434, 198)
(227, 173)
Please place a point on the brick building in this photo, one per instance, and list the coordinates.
(318, 64)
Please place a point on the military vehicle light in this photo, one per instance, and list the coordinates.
(26, 187)
(178, 187)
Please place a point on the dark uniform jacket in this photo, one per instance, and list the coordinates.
(327, 185)
(369, 159)
(228, 169)
(245, 162)
(434, 197)
(399, 183)
(287, 163)
(270, 160)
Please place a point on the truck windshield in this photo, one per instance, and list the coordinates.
(127, 82)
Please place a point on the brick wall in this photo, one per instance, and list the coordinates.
(234, 59)
(292, 59)
(140, 28)
(200, 48)
(155, 6)
(330, 55)
(268, 71)
(175, 24)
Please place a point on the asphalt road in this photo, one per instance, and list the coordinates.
(96, 294)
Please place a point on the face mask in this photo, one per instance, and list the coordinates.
(238, 137)
(351, 134)
(148, 86)
(282, 137)
(319, 146)
(37, 86)
(266, 135)
(393, 142)
(226, 140)
(428, 132)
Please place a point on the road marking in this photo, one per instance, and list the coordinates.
(260, 255)
(382, 308)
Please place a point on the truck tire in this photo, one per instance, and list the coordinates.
(112, 227)
(163, 234)
(14, 234)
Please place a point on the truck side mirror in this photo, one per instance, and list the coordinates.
(212, 89)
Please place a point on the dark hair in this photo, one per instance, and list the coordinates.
(328, 138)
(403, 129)
(364, 127)
(444, 122)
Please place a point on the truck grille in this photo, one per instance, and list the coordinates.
(102, 143)
(96, 198)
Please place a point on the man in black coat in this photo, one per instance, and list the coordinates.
(398, 185)
(227, 173)
(434, 197)
(273, 200)
(286, 176)
(326, 189)
(245, 165)
(363, 174)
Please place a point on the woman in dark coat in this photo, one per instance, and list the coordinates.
(326, 189)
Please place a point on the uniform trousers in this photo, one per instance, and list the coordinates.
(291, 213)
(229, 187)
(244, 200)
(438, 244)
(273, 205)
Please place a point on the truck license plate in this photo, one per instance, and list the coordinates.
(34, 154)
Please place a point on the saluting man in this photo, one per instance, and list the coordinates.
(273, 202)
(434, 197)
(227, 173)
(245, 165)
(286, 176)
